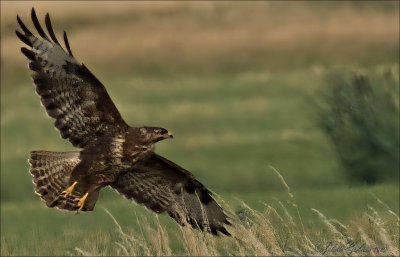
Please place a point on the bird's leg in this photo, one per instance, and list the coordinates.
(81, 202)
(67, 192)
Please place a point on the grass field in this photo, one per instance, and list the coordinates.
(235, 83)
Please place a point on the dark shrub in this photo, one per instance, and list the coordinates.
(360, 115)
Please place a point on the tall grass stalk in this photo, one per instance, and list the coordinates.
(273, 231)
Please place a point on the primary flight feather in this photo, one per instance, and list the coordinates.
(111, 153)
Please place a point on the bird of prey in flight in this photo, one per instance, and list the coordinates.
(111, 153)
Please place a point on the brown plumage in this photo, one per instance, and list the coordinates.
(112, 153)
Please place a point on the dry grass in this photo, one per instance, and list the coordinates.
(272, 232)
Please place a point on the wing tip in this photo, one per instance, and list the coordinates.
(28, 53)
(67, 44)
(41, 32)
(222, 230)
(50, 29)
(24, 28)
(37, 25)
(23, 38)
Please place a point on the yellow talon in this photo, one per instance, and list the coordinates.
(81, 202)
(69, 190)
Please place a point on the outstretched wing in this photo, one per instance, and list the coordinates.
(161, 185)
(70, 93)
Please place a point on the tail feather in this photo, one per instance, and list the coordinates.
(51, 173)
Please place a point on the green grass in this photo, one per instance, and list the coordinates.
(237, 93)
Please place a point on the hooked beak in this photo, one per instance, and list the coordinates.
(170, 135)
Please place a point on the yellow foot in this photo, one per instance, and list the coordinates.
(81, 202)
(68, 191)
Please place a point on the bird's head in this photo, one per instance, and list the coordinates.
(154, 134)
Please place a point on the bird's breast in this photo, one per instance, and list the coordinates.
(115, 153)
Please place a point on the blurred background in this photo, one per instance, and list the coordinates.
(309, 88)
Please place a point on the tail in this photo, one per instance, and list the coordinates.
(51, 173)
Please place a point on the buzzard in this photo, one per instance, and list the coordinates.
(111, 153)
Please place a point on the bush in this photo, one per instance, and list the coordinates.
(360, 115)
